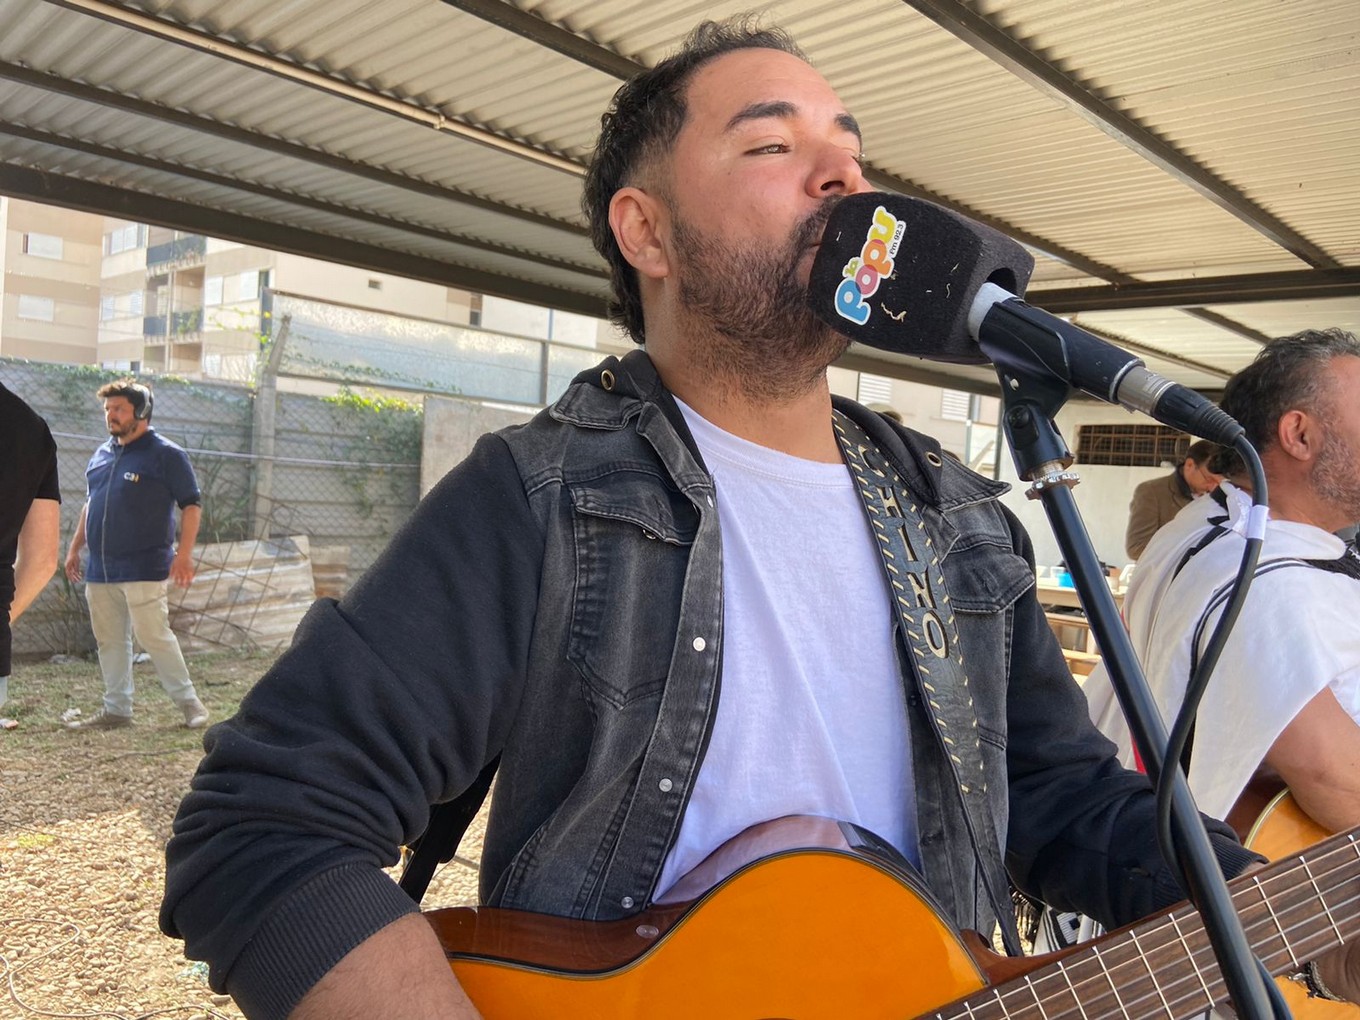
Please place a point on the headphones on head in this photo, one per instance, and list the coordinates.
(141, 401)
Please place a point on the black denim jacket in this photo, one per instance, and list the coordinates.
(558, 599)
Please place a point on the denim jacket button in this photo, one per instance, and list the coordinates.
(700, 644)
(626, 903)
(665, 785)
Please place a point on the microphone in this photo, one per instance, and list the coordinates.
(908, 276)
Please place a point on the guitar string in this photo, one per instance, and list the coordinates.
(1194, 945)
(1201, 948)
(1185, 988)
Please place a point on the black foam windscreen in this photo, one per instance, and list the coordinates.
(900, 274)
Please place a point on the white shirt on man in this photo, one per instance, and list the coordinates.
(811, 710)
(1298, 632)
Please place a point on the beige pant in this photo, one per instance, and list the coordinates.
(120, 611)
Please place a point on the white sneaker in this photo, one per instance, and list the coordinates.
(101, 720)
(195, 715)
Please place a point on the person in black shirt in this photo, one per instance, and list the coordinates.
(30, 511)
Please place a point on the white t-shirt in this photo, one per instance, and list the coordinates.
(811, 712)
(1299, 632)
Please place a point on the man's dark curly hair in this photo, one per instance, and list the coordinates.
(135, 393)
(641, 125)
(1288, 373)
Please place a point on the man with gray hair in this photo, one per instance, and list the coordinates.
(1286, 693)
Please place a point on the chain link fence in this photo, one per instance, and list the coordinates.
(341, 471)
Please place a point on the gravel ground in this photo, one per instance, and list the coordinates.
(83, 821)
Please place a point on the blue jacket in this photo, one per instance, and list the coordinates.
(130, 521)
(543, 602)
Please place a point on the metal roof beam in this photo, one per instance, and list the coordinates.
(217, 129)
(268, 63)
(294, 199)
(559, 40)
(72, 193)
(986, 38)
(1307, 284)
(1231, 325)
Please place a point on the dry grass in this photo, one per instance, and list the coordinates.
(83, 820)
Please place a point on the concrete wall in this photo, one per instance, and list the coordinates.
(329, 282)
(452, 428)
(519, 319)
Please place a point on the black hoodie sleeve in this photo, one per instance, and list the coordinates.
(389, 701)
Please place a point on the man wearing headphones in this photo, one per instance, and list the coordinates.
(134, 482)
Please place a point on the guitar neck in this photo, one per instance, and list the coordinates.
(1292, 911)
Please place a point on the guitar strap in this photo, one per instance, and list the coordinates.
(926, 624)
(439, 842)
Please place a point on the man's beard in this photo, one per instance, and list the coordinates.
(749, 314)
(1336, 475)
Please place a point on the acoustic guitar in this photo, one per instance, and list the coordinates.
(1269, 820)
(816, 920)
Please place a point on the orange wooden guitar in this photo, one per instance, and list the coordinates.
(1270, 821)
(834, 929)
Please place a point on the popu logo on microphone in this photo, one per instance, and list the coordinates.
(874, 262)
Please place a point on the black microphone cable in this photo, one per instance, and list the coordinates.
(1201, 672)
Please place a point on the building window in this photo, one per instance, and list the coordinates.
(40, 309)
(212, 291)
(955, 405)
(108, 307)
(1130, 445)
(874, 389)
(248, 286)
(126, 238)
(135, 302)
(43, 246)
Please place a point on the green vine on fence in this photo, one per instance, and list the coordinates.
(382, 429)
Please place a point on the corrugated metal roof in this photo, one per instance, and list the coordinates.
(1191, 143)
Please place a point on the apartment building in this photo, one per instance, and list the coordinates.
(50, 267)
(90, 289)
(199, 306)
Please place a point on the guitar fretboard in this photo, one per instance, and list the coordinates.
(1291, 911)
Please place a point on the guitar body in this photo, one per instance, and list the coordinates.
(808, 933)
(839, 927)
(1282, 829)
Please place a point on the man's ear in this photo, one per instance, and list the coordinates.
(637, 219)
(1299, 435)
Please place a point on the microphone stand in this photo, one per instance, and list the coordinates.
(1031, 396)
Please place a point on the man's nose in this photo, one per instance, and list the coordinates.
(838, 173)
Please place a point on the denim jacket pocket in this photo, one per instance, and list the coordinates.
(632, 546)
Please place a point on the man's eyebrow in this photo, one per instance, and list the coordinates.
(782, 108)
